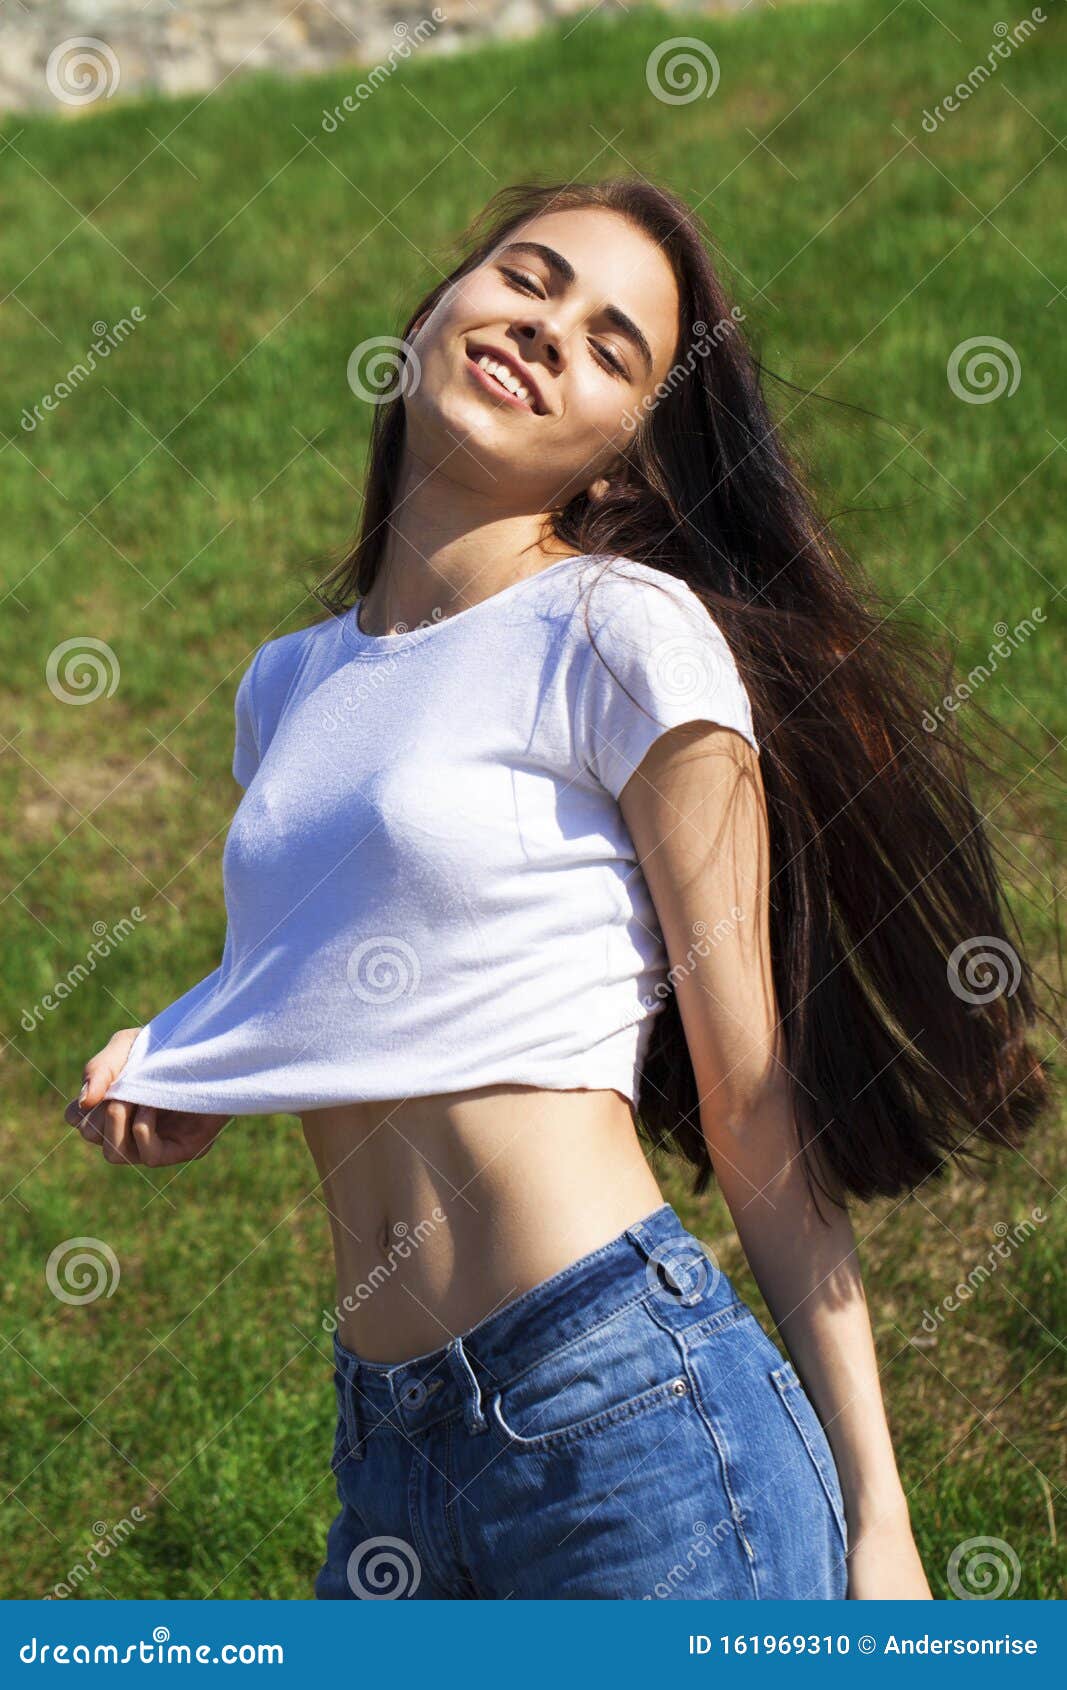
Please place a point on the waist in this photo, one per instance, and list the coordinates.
(654, 1259)
(443, 1209)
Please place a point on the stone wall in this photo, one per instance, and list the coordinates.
(70, 54)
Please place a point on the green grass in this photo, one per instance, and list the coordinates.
(177, 505)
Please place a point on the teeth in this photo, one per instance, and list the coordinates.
(506, 377)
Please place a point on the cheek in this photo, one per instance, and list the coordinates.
(601, 416)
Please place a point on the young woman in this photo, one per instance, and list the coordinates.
(598, 801)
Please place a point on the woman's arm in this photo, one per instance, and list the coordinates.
(695, 812)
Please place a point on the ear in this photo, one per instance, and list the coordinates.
(601, 487)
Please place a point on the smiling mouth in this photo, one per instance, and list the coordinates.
(494, 375)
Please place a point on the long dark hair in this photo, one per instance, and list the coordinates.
(904, 1004)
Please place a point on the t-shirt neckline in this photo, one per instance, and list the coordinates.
(387, 645)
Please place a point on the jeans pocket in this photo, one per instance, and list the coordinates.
(801, 1411)
(625, 1369)
(563, 1437)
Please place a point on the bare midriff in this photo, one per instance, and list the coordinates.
(445, 1208)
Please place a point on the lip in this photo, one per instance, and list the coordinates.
(478, 349)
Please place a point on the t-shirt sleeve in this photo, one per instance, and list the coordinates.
(659, 660)
(246, 738)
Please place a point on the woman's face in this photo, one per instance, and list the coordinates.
(582, 308)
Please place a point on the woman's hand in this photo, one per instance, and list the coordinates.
(884, 1564)
(136, 1132)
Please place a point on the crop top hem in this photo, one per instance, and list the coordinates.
(177, 1097)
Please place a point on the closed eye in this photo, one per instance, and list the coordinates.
(526, 284)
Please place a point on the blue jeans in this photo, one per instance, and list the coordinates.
(624, 1430)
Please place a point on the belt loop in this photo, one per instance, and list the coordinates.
(473, 1418)
(676, 1266)
(353, 1422)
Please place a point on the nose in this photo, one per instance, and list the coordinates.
(544, 336)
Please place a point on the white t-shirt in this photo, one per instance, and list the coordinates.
(429, 884)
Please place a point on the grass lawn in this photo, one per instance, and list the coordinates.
(177, 505)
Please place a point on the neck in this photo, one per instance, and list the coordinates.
(447, 547)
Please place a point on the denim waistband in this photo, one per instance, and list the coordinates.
(655, 1257)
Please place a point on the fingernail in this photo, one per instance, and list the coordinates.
(82, 1093)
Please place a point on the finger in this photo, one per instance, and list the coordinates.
(146, 1135)
(90, 1124)
(97, 1075)
(118, 1144)
(184, 1136)
(91, 1128)
(105, 1067)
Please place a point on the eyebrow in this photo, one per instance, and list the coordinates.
(564, 269)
